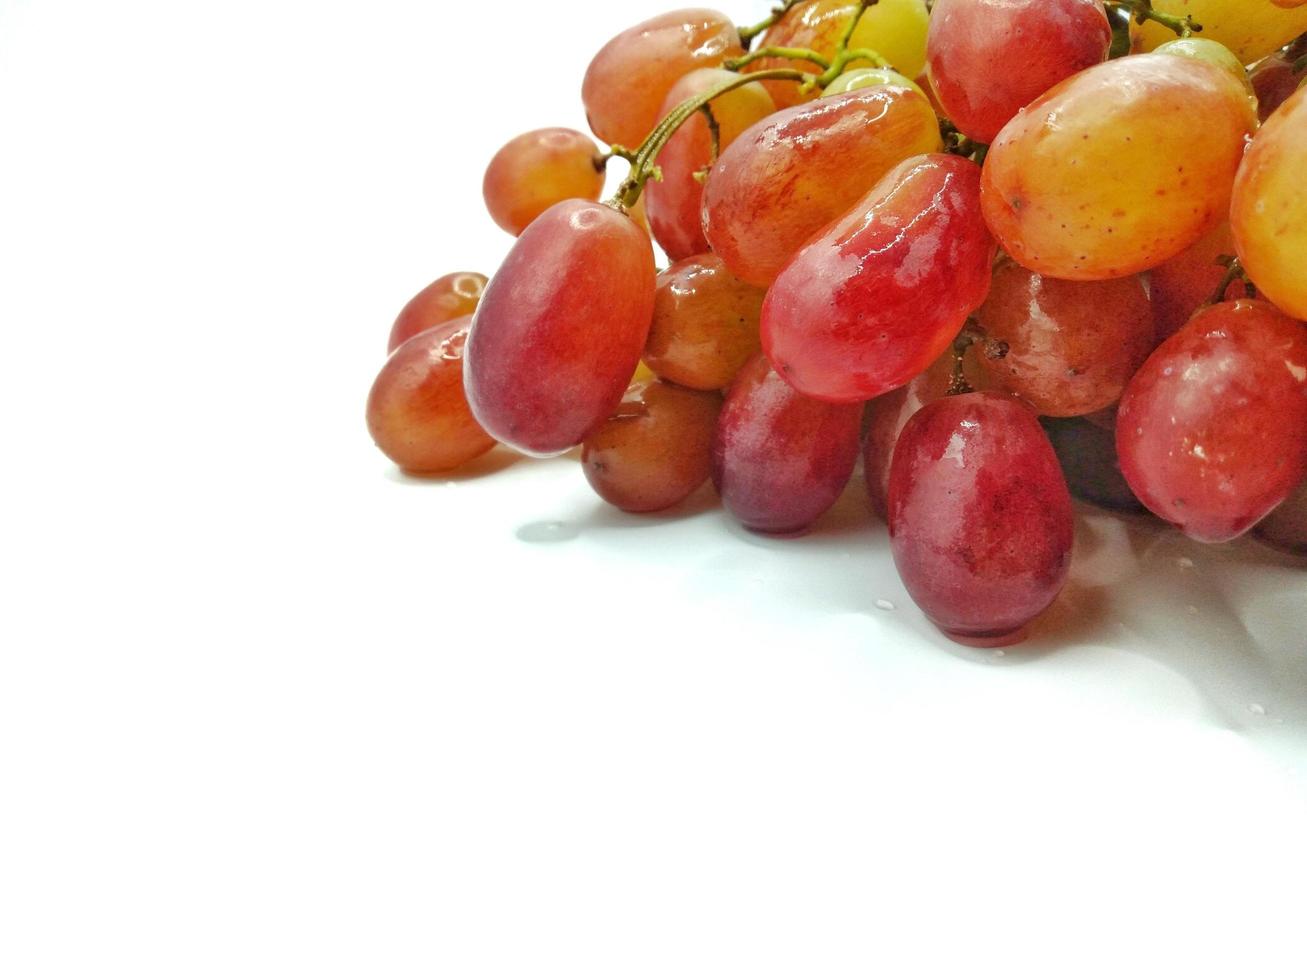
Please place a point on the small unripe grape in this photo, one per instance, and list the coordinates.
(417, 412)
(448, 298)
(705, 324)
(780, 459)
(631, 75)
(867, 77)
(656, 449)
(1071, 346)
(1107, 173)
(1212, 52)
(1269, 210)
(1252, 29)
(1212, 430)
(535, 171)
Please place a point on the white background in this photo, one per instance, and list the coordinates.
(268, 709)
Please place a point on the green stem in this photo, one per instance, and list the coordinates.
(1143, 11)
(1233, 270)
(747, 34)
(643, 166)
(616, 150)
(791, 54)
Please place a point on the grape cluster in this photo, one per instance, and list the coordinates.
(998, 251)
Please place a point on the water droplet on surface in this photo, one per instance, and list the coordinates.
(886, 605)
(1192, 610)
(1185, 563)
(547, 532)
(1000, 653)
(1257, 709)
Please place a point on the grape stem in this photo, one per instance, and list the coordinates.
(790, 54)
(642, 163)
(616, 150)
(747, 34)
(1143, 11)
(1233, 270)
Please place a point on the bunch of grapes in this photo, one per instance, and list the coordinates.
(998, 251)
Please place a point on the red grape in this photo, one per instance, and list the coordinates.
(1274, 80)
(1071, 346)
(974, 45)
(656, 450)
(879, 294)
(631, 75)
(790, 175)
(417, 412)
(980, 518)
(1186, 282)
(561, 326)
(535, 171)
(1087, 452)
(1286, 527)
(1212, 431)
(448, 298)
(705, 324)
(780, 460)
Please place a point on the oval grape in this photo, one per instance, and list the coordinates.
(560, 328)
(448, 298)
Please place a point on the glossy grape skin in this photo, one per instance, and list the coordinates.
(895, 29)
(1072, 346)
(879, 294)
(1087, 454)
(705, 324)
(675, 203)
(858, 78)
(1286, 527)
(1183, 284)
(887, 415)
(973, 45)
(533, 172)
(789, 176)
(1212, 52)
(417, 412)
(1274, 80)
(1212, 431)
(560, 328)
(448, 298)
(1251, 29)
(629, 78)
(1107, 175)
(656, 449)
(781, 460)
(1268, 213)
(980, 518)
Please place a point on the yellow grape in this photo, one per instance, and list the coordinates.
(1252, 29)
(1119, 168)
(896, 30)
(1269, 210)
(867, 77)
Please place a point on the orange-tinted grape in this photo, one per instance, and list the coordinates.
(1183, 284)
(790, 175)
(1251, 29)
(448, 298)
(1071, 346)
(631, 75)
(417, 412)
(973, 45)
(1269, 211)
(560, 328)
(1286, 527)
(980, 518)
(656, 449)
(1107, 174)
(537, 170)
(880, 293)
(1212, 431)
(780, 460)
(675, 203)
(705, 324)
